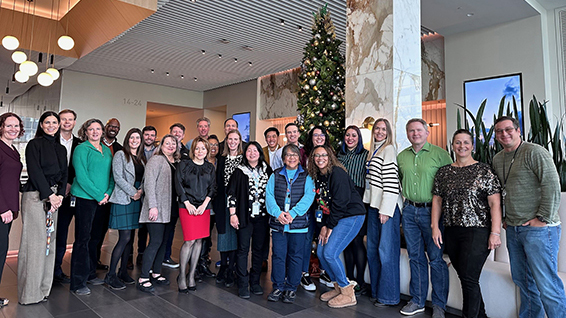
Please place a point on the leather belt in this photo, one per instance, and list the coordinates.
(418, 204)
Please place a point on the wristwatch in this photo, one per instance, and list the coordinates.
(540, 218)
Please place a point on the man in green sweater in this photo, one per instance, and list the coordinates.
(530, 201)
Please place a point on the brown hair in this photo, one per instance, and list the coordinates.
(68, 111)
(226, 150)
(194, 147)
(332, 161)
(5, 116)
(86, 124)
(139, 157)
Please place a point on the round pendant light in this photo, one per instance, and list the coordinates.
(44, 79)
(10, 42)
(29, 67)
(54, 73)
(66, 42)
(21, 77)
(19, 57)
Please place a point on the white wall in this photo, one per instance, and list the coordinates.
(238, 98)
(507, 48)
(216, 122)
(94, 96)
(188, 119)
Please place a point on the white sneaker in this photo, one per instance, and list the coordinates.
(307, 283)
(325, 280)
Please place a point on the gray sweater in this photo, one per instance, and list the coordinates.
(124, 178)
(533, 187)
(157, 187)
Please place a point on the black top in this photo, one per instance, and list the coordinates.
(174, 203)
(464, 192)
(140, 169)
(195, 182)
(185, 153)
(339, 194)
(10, 169)
(224, 168)
(46, 162)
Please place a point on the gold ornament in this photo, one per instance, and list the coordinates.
(317, 101)
(311, 126)
(314, 87)
(315, 43)
(312, 115)
(326, 123)
(306, 87)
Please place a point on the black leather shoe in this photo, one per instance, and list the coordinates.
(205, 271)
(101, 266)
(63, 279)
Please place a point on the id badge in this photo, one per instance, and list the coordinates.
(255, 208)
(318, 215)
(73, 201)
(287, 207)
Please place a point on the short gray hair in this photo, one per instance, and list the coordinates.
(417, 120)
(203, 119)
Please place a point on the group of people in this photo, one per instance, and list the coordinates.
(293, 195)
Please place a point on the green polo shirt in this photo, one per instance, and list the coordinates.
(417, 171)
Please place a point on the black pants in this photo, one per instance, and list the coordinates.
(66, 214)
(467, 249)
(169, 239)
(256, 230)
(81, 259)
(99, 229)
(155, 250)
(4, 244)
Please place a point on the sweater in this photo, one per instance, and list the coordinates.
(158, 190)
(345, 201)
(10, 169)
(46, 161)
(93, 172)
(384, 191)
(533, 186)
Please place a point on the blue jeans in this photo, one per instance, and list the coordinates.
(418, 235)
(384, 245)
(308, 241)
(533, 253)
(287, 259)
(329, 254)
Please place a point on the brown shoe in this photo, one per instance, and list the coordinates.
(346, 298)
(331, 294)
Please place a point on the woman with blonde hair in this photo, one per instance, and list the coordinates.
(383, 194)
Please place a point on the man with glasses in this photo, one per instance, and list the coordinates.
(530, 202)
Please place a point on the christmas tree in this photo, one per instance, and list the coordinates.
(320, 99)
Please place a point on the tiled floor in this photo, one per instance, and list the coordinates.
(208, 301)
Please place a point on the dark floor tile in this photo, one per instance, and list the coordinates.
(157, 307)
(101, 296)
(198, 307)
(123, 310)
(82, 314)
(61, 301)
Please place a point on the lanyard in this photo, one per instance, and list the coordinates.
(372, 155)
(505, 177)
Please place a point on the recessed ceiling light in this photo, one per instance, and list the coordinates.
(219, 56)
(182, 76)
(167, 73)
(300, 28)
(469, 14)
(247, 48)
(235, 60)
(195, 79)
(224, 41)
(203, 52)
(281, 21)
(152, 71)
(250, 63)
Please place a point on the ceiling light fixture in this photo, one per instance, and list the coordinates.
(10, 42)
(21, 77)
(182, 76)
(219, 56)
(300, 28)
(167, 73)
(469, 14)
(29, 67)
(195, 79)
(250, 63)
(203, 52)
(152, 71)
(224, 41)
(18, 57)
(235, 60)
(54, 73)
(281, 21)
(45, 79)
(247, 48)
(66, 42)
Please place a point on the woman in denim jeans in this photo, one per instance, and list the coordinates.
(383, 194)
(341, 213)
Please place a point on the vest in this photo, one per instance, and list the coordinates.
(297, 191)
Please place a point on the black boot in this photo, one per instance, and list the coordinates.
(205, 271)
(220, 276)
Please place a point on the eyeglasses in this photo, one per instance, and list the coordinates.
(507, 130)
(323, 155)
(318, 135)
(292, 155)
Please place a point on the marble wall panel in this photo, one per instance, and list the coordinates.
(407, 46)
(407, 98)
(278, 94)
(432, 72)
(369, 36)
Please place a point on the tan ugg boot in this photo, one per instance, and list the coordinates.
(346, 298)
(331, 294)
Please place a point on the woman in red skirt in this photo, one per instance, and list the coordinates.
(196, 186)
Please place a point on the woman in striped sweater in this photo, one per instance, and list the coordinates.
(353, 156)
(383, 194)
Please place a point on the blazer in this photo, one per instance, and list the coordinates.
(124, 179)
(157, 187)
(71, 169)
(10, 169)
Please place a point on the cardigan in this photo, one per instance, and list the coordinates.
(46, 161)
(384, 190)
(239, 190)
(158, 190)
(219, 204)
(10, 170)
(124, 177)
(93, 171)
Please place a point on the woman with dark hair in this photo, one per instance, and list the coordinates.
(353, 156)
(92, 188)
(246, 202)
(290, 193)
(128, 167)
(46, 161)
(383, 194)
(317, 136)
(467, 195)
(11, 127)
(227, 239)
(195, 184)
(158, 204)
(341, 213)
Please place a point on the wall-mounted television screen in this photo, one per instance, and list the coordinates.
(493, 89)
(243, 120)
